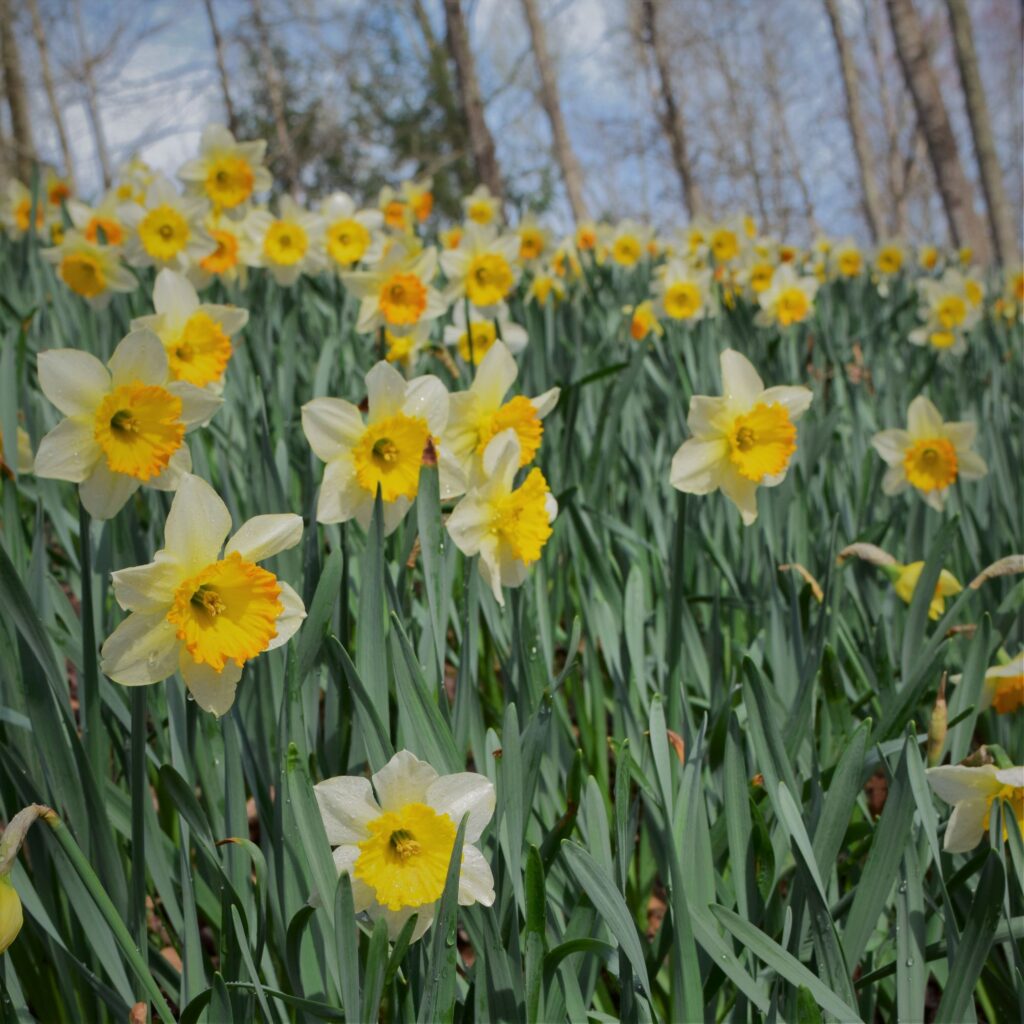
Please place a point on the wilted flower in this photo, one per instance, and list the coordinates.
(201, 611)
(972, 792)
(905, 579)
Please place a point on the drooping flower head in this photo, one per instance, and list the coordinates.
(204, 607)
(126, 422)
(905, 579)
(741, 441)
(385, 450)
(395, 838)
(972, 791)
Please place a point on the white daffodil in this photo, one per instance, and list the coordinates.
(126, 422)
(16, 210)
(225, 262)
(473, 344)
(948, 311)
(743, 440)
(226, 172)
(627, 242)
(506, 526)
(103, 217)
(288, 245)
(397, 293)
(481, 413)
(788, 300)
(972, 792)
(483, 267)
(168, 229)
(889, 261)
(533, 239)
(419, 197)
(683, 292)
(385, 451)
(197, 337)
(91, 270)
(481, 207)
(1004, 687)
(846, 259)
(200, 610)
(929, 455)
(395, 838)
(349, 232)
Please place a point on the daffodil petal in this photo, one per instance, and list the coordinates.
(346, 805)
(104, 493)
(143, 649)
(213, 691)
(68, 452)
(264, 536)
(74, 381)
(197, 523)
(476, 883)
(405, 779)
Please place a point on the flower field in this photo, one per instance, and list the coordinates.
(408, 620)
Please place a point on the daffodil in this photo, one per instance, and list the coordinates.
(397, 293)
(788, 300)
(643, 321)
(225, 261)
(132, 181)
(197, 337)
(890, 258)
(741, 441)
(348, 231)
(627, 243)
(404, 349)
(507, 526)
(683, 292)
(93, 271)
(972, 791)
(847, 259)
(484, 330)
(288, 245)
(383, 451)
(481, 207)
(126, 422)
(1004, 686)
(419, 197)
(928, 257)
(533, 239)
(394, 834)
(168, 229)
(204, 607)
(395, 210)
(545, 284)
(484, 267)
(906, 577)
(929, 455)
(226, 172)
(947, 311)
(16, 210)
(724, 241)
(481, 413)
(100, 224)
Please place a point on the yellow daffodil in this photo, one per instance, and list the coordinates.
(683, 292)
(1004, 686)
(507, 526)
(533, 240)
(741, 441)
(627, 243)
(385, 450)
(947, 311)
(288, 245)
(724, 241)
(906, 577)
(544, 285)
(395, 838)
(225, 262)
(788, 300)
(643, 321)
(972, 792)
(16, 210)
(197, 337)
(348, 231)
(419, 197)
(404, 349)
(168, 229)
(484, 267)
(100, 224)
(95, 272)
(397, 293)
(485, 329)
(226, 172)
(481, 413)
(126, 422)
(847, 259)
(204, 607)
(890, 258)
(482, 208)
(929, 455)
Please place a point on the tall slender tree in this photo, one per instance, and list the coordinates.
(1000, 219)
(565, 155)
(17, 98)
(222, 68)
(91, 95)
(50, 89)
(955, 190)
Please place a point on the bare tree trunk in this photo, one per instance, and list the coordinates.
(17, 99)
(92, 103)
(954, 188)
(895, 178)
(564, 154)
(275, 91)
(671, 116)
(854, 115)
(51, 92)
(222, 69)
(999, 217)
(480, 139)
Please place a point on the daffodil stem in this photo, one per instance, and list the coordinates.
(133, 954)
(140, 793)
(89, 688)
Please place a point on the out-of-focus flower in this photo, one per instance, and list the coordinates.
(506, 526)
(1004, 686)
(586, 236)
(23, 455)
(126, 422)
(395, 839)
(533, 239)
(972, 791)
(1010, 304)
(397, 293)
(56, 188)
(100, 224)
(225, 262)
(419, 197)
(348, 235)
(905, 579)
(451, 237)
(683, 292)
(890, 258)
(481, 207)
(929, 455)
(484, 267)
(93, 271)
(404, 349)
(742, 440)
(385, 451)
(288, 245)
(481, 413)
(473, 344)
(132, 181)
(627, 242)
(545, 284)
(947, 311)
(928, 257)
(168, 229)
(226, 172)
(847, 258)
(724, 241)
(788, 300)
(197, 337)
(201, 611)
(643, 321)
(16, 210)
